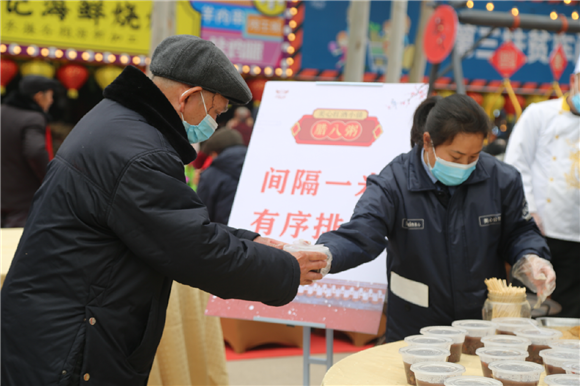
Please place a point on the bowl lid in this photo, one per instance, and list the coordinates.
(471, 380)
(437, 368)
(562, 380)
(499, 352)
(443, 330)
(506, 339)
(516, 367)
(568, 344)
(539, 332)
(425, 352)
(514, 321)
(428, 339)
(560, 354)
(474, 324)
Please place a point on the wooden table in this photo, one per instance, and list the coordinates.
(382, 365)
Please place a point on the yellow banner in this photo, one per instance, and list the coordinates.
(115, 26)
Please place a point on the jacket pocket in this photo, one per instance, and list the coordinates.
(142, 357)
(71, 369)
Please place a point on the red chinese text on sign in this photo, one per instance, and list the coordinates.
(306, 182)
(264, 222)
(275, 179)
(327, 224)
(507, 59)
(296, 221)
(558, 62)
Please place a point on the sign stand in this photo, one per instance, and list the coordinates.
(307, 359)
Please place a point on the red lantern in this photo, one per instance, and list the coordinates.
(73, 76)
(8, 70)
(257, 88)
(509, 107)
(477, 97)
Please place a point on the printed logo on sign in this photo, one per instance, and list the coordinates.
(490, 219)
(413, 223)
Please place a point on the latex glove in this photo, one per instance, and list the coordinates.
(270, 242)
(537, 274)
(539, 222)
(303, 245)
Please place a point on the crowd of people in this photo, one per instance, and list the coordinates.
(111, 222)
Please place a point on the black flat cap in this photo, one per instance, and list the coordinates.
(196, 62)
(31, 84)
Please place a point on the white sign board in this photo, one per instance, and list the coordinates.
(312, 148)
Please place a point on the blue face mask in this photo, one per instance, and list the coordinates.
(202, 131)
(576, 101)
(451, 173)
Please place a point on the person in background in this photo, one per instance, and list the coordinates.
(242, 122)
(26, 146)
(218, 183)
(114, 224)
(449, 215)
(545, 148)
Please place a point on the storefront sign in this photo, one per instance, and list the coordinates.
(116, 26)
(245, 34)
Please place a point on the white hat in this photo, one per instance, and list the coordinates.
(577, 69)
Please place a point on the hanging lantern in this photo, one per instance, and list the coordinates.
(257, 88)
(106, 75)
(493, 102)
(477, 97)
(8, 70)
(73, 76)
(509, 106)
(445, 93)
(37, 67)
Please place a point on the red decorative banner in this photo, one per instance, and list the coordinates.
(507, 59)
(558, 62)
(337, 127)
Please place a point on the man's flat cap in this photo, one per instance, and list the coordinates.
(196, 62)
(31, 84)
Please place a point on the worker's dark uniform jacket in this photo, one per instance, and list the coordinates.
(438, 256)
(113, 224)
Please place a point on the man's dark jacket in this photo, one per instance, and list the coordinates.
(24, 155)
(113, 224)
(451, 250)
(219, 182)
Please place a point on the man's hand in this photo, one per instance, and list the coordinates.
(270, 242)
(539, 222)
(310, 261)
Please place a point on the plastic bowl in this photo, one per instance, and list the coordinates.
(455, 333)
(489, 355)
(506, 341)
(555, 360)
(435, 373)
(476, 329)
(510, 325)
(416, 354)
(429, 341)
(566, 344)
(572, 368)
(516, 373)
(541, 339)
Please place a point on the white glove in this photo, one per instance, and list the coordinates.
(303, 245)
(537, 274)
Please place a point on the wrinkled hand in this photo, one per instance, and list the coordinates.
(537, 274)
(309, 262)
(270, 242)
(539, 222)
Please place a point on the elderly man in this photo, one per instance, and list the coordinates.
(24, 146)
(545, 148)
(115, 223)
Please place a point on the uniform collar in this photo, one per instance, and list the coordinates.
(565, 106)
(418, 179)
